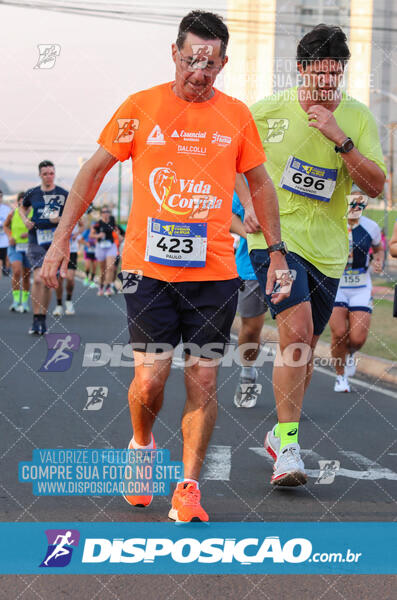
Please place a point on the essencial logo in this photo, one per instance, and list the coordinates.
(60, 547)
(189, 550)
(180, 196)
(60, 351)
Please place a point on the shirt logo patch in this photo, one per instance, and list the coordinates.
(277, 129)
(181, 196)
(127, 128)
(221, 140)
(156, 137)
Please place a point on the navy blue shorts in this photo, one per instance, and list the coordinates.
(198, 313)
(310, 285)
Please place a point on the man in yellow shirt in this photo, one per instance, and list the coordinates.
(318, 141)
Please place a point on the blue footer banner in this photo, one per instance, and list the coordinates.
(215, 548)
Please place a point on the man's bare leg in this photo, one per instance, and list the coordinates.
(295, 326)
(199, 414)
(339, 324)
(146, 392)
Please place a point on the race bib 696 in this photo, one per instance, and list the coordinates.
(305, 179)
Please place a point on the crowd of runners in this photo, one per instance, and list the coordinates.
(27, 233)
(280, 176)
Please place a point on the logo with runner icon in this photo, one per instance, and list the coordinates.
(130, 280)
(328, 471)
(48, 54)
(277, 129)
(126, 132)
(61, 347)
(60, 547)
(53, 204)
(96, 396)
(181, 196)
(249, 394)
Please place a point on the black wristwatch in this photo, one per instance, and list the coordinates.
(280, 247)
(345, 147)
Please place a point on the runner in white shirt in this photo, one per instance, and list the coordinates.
(351, 316)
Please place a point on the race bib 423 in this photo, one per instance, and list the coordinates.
(176, 244)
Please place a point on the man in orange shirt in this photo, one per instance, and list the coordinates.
(186, 140)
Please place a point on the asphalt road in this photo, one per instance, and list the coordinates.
(42, 409)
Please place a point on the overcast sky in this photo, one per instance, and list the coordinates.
(58, 113)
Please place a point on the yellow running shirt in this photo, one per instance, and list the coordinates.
(310, 178)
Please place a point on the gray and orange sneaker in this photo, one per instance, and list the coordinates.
(186, 507)
(139, 501)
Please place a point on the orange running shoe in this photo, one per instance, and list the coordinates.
(186, 505)
(139, 501)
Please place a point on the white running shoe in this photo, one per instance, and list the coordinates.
(272, 443)
(341, 384)
(350, 365)
(58, 311)
(69, 308)
(247, 391)
(92, 285)
(289, 469)
(14, 306)
(24, 308)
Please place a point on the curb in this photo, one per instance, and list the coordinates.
(372, 366)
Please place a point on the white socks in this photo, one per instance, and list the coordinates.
(137, 446)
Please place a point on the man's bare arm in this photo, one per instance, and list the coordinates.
(264, 200)
(237, 226)
(265, 203)
(393, 242)
(84, 190)
(378, 258)
(242, 190)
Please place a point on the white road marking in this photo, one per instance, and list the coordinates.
(373, 471)
(218, 463)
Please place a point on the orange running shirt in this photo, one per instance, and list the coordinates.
(185, 156)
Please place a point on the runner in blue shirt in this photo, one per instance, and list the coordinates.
(47, 201)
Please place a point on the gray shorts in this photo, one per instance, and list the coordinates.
(36, 254)
(251, 301)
